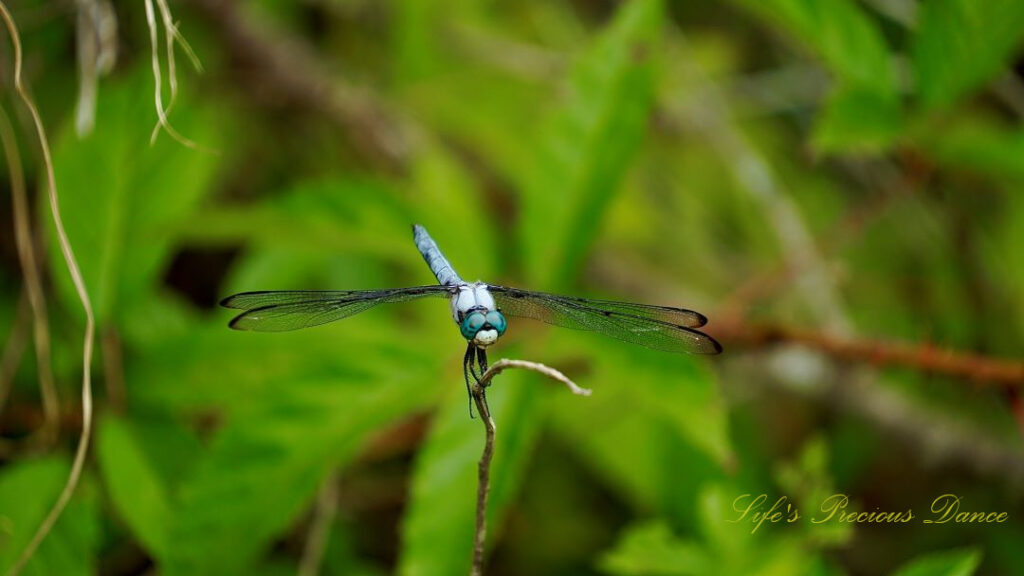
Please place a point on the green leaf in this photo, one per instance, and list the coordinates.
(863, 113)
(263, 469)
(650, 548)
(28, 489)
(415, 37)
(975, 143)
(588, 146)
(120, 196)
(627, 449)
(841, 33)
(774, 552)
(360, 219)
(962, 562)
(438, 528)
(857, 120)
(961, 44)
(679, 391)
(330, 214)
(806, 481)
(136, 490)
(725, 547)
(683, 392)
(654, 428)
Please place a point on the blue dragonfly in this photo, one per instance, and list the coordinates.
(479, 309)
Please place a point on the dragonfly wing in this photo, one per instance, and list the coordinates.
(649, 326)
(281, 311)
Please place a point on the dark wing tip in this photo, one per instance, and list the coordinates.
(232, 301)
(701, 319)
(716, 347)
(233, 324)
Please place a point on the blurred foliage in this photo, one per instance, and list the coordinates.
(646, 150)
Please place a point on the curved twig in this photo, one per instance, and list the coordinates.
(484, 467)
(161, 110)
(502, 365)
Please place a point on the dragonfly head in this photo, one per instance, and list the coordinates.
(483, 327)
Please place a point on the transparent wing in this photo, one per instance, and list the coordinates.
(280, 311)
(658, 327)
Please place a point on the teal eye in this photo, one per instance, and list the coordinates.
(497, 321)
(472, 324)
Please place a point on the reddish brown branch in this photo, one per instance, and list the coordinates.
(923, 357)
(1017, 408)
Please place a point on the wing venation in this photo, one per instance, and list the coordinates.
(658, 327)
(284, 310)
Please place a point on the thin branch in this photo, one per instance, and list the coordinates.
(1017, 408)
(33, 279)
(925, 358)
(483, 482)
(83, 295)
(320, 528)
(504, 364)
(483, 489)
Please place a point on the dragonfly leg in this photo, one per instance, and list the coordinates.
(467, 369)
(481, 359)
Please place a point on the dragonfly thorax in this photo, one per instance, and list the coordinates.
(479, 320)
(470, 297)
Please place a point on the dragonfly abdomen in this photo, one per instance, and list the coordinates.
(432, 255)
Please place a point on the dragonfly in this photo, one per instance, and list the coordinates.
(479, 310)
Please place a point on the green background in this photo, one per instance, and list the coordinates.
(847, 169)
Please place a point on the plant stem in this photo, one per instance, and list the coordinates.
(483, 488)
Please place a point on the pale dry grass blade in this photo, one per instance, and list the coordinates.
(161, 111)
(83, 295)
(96, 32)
(320, 527)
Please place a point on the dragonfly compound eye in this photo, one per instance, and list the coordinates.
(497, 321)
(472, 324)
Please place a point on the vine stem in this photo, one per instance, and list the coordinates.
(483, 489)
